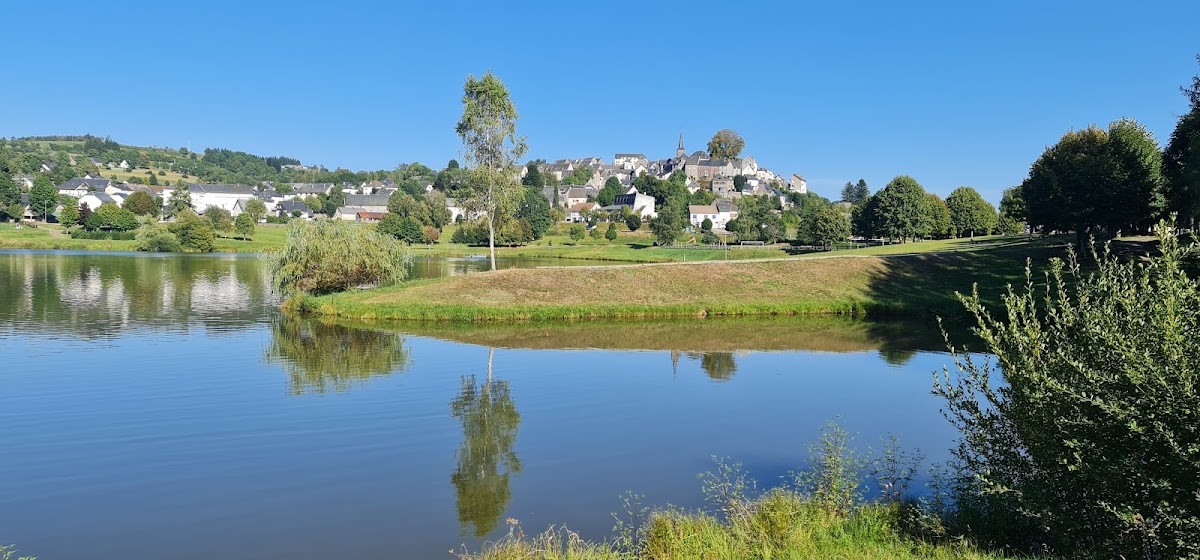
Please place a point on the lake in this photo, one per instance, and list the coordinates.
(161, 407)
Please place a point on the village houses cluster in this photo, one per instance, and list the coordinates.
(367, 202)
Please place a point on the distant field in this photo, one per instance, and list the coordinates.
(170, 177)
(267, 238)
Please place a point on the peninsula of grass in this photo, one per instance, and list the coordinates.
(866, 285)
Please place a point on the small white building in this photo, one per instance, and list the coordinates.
(798, 184)
(219, 196)
(641, 204)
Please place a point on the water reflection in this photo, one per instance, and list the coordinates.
(99, 296)
(320, 356)
(486, 459)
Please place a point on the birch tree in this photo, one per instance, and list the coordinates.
(491, 147)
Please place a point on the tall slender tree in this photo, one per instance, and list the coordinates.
(491, 147)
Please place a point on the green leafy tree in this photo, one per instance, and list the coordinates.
(611, 233)
(1012, 210)
(110, 217)
(10, 191)
(855, 192)
(726, 144)
(831, 225)
(576, 233)
(43, 197)
(1092, 178)
(580, 175)
(535, 209)
(533, 176)
(665, 228)
(594, 233)
(157, 238)
(862, 217)
(243, 225)
(706, 225)
(404, 228)
(141, 203)
(332, 255)
(969, 212)
(1089, 446)
(633, 221)
(739, 182)
(180, 200)
(69, 215)
(899, 209)
(194, 233)
(488, 129)
(439, 213)
(936, 218)
(219, 218)
(406, 205)
(256, 208)
(608, 195)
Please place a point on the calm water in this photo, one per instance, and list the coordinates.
(160, 407)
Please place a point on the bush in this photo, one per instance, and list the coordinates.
(633, 222)
(706, 225)
(110, 217)
(512, 232)
(194, 232)
(1092, 447)
(611, 233)
(332, 255)
(158, 238)
(405, 229)
(577, 233)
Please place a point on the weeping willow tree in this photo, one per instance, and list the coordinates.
(486, 458)
(332, 255)
(321, 356)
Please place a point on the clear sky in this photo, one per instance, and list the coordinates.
(953, 93)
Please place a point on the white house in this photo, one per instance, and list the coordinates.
(93, 200)
(455, 210)
(798, 184)
(642, 204)
(577, 211)
(219, 196)
(355, 203)
(719, 214)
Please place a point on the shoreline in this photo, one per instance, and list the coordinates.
(901, 285)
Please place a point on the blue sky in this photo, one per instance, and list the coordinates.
(954, 93)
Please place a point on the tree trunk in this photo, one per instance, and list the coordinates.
(492, 239)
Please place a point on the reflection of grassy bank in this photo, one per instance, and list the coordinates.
(915, 285)
(266, 238)
(820, 334)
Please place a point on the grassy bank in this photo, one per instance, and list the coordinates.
(914, 284)
(266, 238)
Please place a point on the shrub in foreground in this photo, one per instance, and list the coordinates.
(158, 238)
(332, 255)
(1093, 445)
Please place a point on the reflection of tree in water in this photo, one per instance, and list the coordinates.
(486, 458)
(718, 365)
(897, 357)
(320, 356)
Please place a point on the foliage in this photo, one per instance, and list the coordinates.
(970, 213)
(935, 218)
(706, 225)
(579, 176)
(110, 217)
(157, 238)
(10, 191)
(333, 255)
(1092, 445)
(633, 221)
(1094, 178)
(243, 226)
(256, 208)
(611, 232)
(141, 203)
(488, 130)
(533, 176)
(405, 229)
(899, 209)
(194, 233)
(509, 233)
(726, 144)
(608, 194)
(576, 233)
(1181, 167)
(855, 192)
(757, 220)
(219, 218)
(181, 199)
(69, 215)
(43, 197)
(535, 209)
(831, 225)
(665, 228)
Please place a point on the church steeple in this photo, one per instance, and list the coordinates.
(679, 152)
